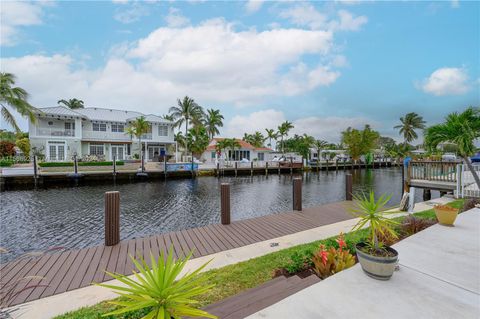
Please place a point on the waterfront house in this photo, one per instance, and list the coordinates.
(59, 133)
(245, 151)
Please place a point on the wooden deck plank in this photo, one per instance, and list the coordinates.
(92, 267)
(51, 278)
(78, 268)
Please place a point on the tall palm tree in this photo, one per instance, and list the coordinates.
(72, 103)
(283, 130)
(459, 129)
(409, 123)
(213, 120)
(271, 134)
(137, 128)
(15, 98)
(187, 111)
(168, 117)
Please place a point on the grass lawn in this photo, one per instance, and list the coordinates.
(233, 279)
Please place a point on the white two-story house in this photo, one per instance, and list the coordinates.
(60, 133)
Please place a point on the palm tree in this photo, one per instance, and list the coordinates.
(271, 134)
(411, 122)
(283, 130)
(72, 103)
(213, 120)
(187, 110)
(319, 146)
(168, 117)
(15, 98)
(459, 129)
(232, 144)
(197, 140)
(137, 128)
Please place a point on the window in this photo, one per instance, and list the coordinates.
(261, 156)
(162, 130)
(69, 125)
(213, 155)
(128, 149)
(118, 127)
(99, 127)
(96, 149)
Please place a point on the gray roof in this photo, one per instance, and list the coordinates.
(60, 111)
(101, 114)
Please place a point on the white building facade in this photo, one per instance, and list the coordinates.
(60, 133)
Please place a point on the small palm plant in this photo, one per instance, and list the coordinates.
(159, 289)
(373, 216)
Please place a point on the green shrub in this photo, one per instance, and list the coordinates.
(55, 164)
(24, 145)
(65, 164)
(106, 163)
(6, 162)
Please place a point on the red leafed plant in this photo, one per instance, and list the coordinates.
(332, 260)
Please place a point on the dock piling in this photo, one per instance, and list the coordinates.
(251, 168)
(114, 165)
(266, 168)
(75, 164)
(35, 170)
(225, 203)
(348, 187)
(236, 168)
(297, 194)
(112, 218)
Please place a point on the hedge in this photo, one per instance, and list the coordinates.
(64, 164)
(6, 162)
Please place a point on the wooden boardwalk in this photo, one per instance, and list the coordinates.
(72, 269)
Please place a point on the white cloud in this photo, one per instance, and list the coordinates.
(348, 22)
(133, 13)
(327, 128)
(120, 1)
(17, 14)
(307, 15)
(455, 4)
(175, 19)
(212, 62)
(253, 5)
(446, 81)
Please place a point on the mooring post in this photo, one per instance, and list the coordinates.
(218, 169)
(251, 168)
(236, 168)
(266, 168)
(348, 187)
(35, 169)
(225, 203)
(112, 218)
(143, 162)
(336, 164)
(297, 194)
(165, 166)
(75, 164)
(278, 163)
(114, 163)
(291, 165)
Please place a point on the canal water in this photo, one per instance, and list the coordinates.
(35, 220)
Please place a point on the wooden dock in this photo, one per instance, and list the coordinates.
(72, 269)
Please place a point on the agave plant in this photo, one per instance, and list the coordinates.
(372, 215)
(159, 288)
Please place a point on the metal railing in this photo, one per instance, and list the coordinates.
(467, 186)
(55, 132)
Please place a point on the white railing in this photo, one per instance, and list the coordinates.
(147, 136)
(467, 185)
(41, 131)
(110, 136)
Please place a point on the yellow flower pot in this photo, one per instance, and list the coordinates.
(446, 215)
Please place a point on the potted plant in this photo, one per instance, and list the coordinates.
(446, 215)
(377, 259)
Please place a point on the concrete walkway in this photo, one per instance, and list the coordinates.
(439, 277)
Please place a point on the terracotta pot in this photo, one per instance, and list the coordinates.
(446, 215)
(377, 267)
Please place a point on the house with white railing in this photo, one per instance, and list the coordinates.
(60, 133)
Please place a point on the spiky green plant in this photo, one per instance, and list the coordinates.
(159, 288)
(372, 215)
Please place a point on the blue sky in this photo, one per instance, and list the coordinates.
(322, 65)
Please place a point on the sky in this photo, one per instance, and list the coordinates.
(324, 66)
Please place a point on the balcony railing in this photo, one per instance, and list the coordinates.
(110, 136)
(55, 132)
(147, 136)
